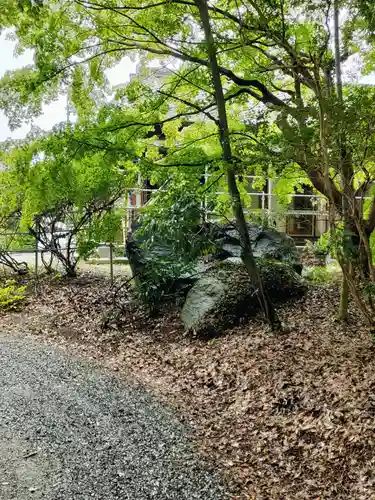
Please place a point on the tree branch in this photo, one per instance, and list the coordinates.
(226, 14)
(370, 223)
(193, 105)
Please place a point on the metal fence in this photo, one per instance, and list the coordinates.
(308, 221)
(109, 253)
(264, 204)
(306, 217)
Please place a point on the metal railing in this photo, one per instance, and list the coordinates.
(267, 208)
(306, 219)
(33, 255)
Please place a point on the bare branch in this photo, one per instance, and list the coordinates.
(193, 105)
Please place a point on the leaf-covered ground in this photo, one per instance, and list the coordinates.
(287, 416)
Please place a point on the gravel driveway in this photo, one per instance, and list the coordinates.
(71, 430)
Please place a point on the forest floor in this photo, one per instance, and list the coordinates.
(284, 416)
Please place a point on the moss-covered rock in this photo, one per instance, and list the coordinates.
(266, 243)
(225, 296)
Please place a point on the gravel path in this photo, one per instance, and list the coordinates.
(71, 430)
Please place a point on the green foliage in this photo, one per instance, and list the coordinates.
(369, 290)
(278, 69)
(53, 179)
(315, 252)
(12, 295)
(372, 246)
(173, 221)
(102, 228)
(282, 139)
(318, 275)
(119, 251)
(323, 244)
(21, 242)
(291, 181)
(173, 237)
(159, 281)
(337, 243)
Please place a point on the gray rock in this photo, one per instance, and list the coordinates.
(204, 297)
(225, 296)
(267, 243)
(234, 260)
(232, 249)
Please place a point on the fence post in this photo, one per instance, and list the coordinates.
(36, 254)
(111, 261)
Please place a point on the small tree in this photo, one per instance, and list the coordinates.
(67, 234)
(9, 227)
(61, 196)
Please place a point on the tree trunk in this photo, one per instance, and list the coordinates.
(345, 175)
(247, 254)
(344, 299)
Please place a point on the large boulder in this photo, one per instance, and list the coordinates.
(267, 243)
(225, 296)
(205, 296)
(160, 257)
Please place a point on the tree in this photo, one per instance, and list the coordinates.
(224, 136)
(277, 72)
(211, 62)
(63, 193)
(346, 178)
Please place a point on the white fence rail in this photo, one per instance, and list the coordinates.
(309, 210)
(32, 256)
(313, 213)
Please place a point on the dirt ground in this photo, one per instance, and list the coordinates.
(284, 416)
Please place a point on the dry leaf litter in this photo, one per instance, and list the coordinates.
(284, 416)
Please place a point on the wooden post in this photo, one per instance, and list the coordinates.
(36, 254)
(111, 261)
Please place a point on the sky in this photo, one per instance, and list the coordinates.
(56, 111)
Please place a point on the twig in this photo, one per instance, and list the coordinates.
(123, 285)
(213, 182)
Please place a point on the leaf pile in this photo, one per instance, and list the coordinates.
(287, 416)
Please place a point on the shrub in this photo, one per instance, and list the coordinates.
(11, 295)
(160, 280)
(315, 253)
(167, 244)
(174, 222)
(318, 275)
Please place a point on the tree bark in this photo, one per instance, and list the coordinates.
(247, 254)
(344, 171)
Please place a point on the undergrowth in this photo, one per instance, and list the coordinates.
(12, 295)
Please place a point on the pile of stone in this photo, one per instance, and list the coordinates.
(218, 292)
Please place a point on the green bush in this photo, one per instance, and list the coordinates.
(118, 250)
(315, 253)
(318, 275)
(159, 281)
(174, 222)
(11, 295)
(171, 239)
